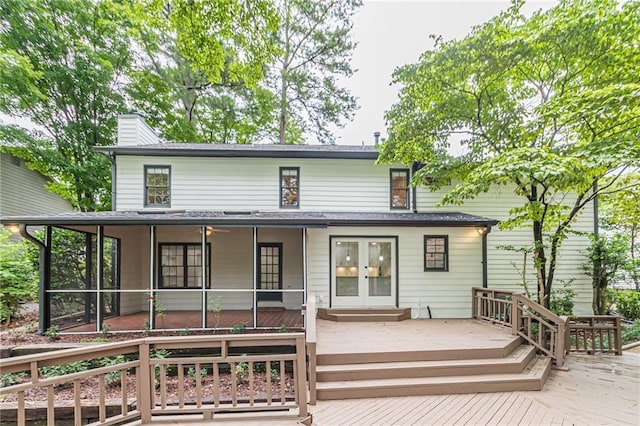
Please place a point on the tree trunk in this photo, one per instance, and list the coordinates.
(539, 259)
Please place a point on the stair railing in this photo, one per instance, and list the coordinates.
(533, 322)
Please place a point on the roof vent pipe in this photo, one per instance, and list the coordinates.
(376, 138)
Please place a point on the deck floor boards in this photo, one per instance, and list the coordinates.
(591, 392)
(409, 335)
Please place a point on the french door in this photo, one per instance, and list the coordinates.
(363, 271)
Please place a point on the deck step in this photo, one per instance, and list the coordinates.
(532, 378)
(395, 355)
(364, 314)
(515, 362)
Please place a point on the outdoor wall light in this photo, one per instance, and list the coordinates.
(209, 231)
(14, 228)
(484, 230)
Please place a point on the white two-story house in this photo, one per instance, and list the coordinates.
(211, 236)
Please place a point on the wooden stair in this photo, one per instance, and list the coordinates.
(364, 314)
(348, 376)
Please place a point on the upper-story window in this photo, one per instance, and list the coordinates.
(289, 186)
(399, 184)
(157, 186)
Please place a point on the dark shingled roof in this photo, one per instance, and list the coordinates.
(366, 152)
(255, 218)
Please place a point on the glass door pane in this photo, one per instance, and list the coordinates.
(346, 261)
(379, 268)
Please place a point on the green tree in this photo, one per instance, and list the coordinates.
(315, 49)
(548, 104)
(620, 213)
(62, 64)
(17, 277)
(606, 255)
(181, 100)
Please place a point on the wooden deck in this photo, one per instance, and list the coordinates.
(596, 390)
(411, 336)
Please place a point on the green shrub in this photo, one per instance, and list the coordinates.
(11, 379)
(631, 333)
(562, 300)
(239, 328)
(63, 369)
(17, 277)
(628, 304)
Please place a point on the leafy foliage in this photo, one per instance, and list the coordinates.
(547, 105)
(619, 213)
(631, 333)
(185, 102)
(17, 277)
(563, 300)
(63, 63)
(606, 256)
(628, 304)
(314, 50)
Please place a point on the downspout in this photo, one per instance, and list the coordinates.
(485, 279)
(44, 269)
(596, 227)
(112, 159)
(414, 201)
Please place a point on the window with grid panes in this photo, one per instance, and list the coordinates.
(157, 186)
(436, 253)
(289, 184)
(399, 188)
(181, 266)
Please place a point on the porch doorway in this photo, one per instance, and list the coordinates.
(363, 271)
(269, 272)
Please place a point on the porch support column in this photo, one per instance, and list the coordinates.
(304, 271)
(255, 277)
(203, 273)
(99, 276)
(152, 274)
(88, 272)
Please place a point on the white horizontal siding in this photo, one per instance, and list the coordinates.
(502, 273)
(448, 294)
(23, 191)
(253, 184)
(132, 131)
(356, 186)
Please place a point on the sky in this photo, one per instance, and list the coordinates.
(394, 33)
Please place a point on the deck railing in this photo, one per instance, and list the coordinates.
(591, 334)
(311, 312)
(152, 374)
(527, 319)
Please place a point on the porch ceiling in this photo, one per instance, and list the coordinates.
(299, 219)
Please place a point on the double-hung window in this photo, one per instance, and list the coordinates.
(436, 253)
(157, 186)
(181, 265)
(289, 186)
(399, 183)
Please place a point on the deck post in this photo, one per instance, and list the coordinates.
(301, 377)
(618, 335)
(146, 383)
(311, 339)
(561, 340)
(515, 314)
